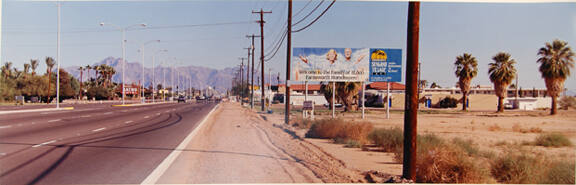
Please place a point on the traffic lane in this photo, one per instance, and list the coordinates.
(123, 155)
(30, 115)
(31, 119)
(43, 106)
(53, 129)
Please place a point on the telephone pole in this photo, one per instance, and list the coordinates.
(242, 82)
(261, 12)
(252, 72)
(288, 54)
(247, 74)
(411, 99)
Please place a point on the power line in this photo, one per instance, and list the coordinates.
(316, 18)
(300, 11)
(313, 10)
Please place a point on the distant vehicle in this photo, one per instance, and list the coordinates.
(181, 99)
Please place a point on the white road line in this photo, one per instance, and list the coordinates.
(157, 114)
(146, 117)
(167, 111)
(2, 153)
(100, 129)
(108, 113)
(9, 126)
(33, 123)
(167, 162)
(45, 143)
(54, 120)
(128, 122)
(86, 116)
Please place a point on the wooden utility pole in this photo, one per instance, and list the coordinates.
(411, 99)
(252, 72)
(288, 55)
(242, 82)
(261, 12)
(248, 84)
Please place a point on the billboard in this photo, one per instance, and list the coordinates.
(330, 64)
(385, 65)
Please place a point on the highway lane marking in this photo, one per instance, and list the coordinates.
(128, 122)
(157, 114)
(146, 117)
(167, 111)
(54, 120)
(86, 116)
(167, 162)
(2, 153)
(9, 126)
(100, 129)
(45, 143)
(107, 113)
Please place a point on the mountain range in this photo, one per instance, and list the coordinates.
(198, 77)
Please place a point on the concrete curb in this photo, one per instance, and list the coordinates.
(36, 110)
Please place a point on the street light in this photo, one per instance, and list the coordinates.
(123, 30)
(142, 51)
(154, 73)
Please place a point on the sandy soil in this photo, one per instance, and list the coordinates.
(487, 130)
(239, 146)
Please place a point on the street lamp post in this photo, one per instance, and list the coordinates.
(154, 73)
(123, 30)
(142, 51)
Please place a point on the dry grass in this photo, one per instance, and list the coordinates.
(339, 130)
(448, 164)
(390, 140)
(517, 169)
(517, 128)
(552, 140)
(494, 128)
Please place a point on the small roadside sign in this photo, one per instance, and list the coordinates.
(385, 65)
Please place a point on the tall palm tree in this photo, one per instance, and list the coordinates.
(555, 60)
(7, 69)
(466, 69)
(347, 92)
(326, 89)
(34, 65)
(88, 67)
(501, 72)
(50, 64)
(81, 69)
(26, 68)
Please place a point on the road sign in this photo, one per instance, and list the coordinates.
(385, 65)
(308, 105)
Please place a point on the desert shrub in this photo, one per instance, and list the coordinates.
(390, 140)
(518, 128)
(560, 173)
(553, 140)
(467, 145)
(350, 143)
(494, 128)
(516, 169)
(567, 102)
(301, 123)
(446, 164)
(447, 102)
(338, 129)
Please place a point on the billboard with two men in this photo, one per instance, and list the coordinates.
(346, 64)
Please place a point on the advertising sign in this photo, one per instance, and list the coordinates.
(385, 65)
(330, 64)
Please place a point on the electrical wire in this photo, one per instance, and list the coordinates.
(316, 18)
(305, 17)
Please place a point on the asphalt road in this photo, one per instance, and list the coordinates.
(93, 144)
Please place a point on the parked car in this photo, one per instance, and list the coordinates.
(338, 105)
(181, 99)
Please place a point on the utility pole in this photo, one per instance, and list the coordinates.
(261, 12)
(242, 82)
(411, 99)
(58, 58)
(252, 71)
(247, 74)
(288, 55)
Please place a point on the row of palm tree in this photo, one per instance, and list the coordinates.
(556, 60)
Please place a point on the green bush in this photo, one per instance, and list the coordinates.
(467, 145)
(516, 169)
(447, 102)
(390, 140)
(552, 140)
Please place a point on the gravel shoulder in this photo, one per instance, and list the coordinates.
(238, 145)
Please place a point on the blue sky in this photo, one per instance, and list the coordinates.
(446, 30)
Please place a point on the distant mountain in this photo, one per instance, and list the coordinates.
(201, 77)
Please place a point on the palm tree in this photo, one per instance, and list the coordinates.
(88, 67)
(501, 72)
(26, 68)
(6, 69)
(466, 69)
(555, 60)
(326, 89)
(34, 65)
(50, 64)
(81, 69)
(348, 93)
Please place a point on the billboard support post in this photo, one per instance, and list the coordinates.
(333, 99)
(363, 98)
(388, 100)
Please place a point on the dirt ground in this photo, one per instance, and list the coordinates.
(490, 131)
